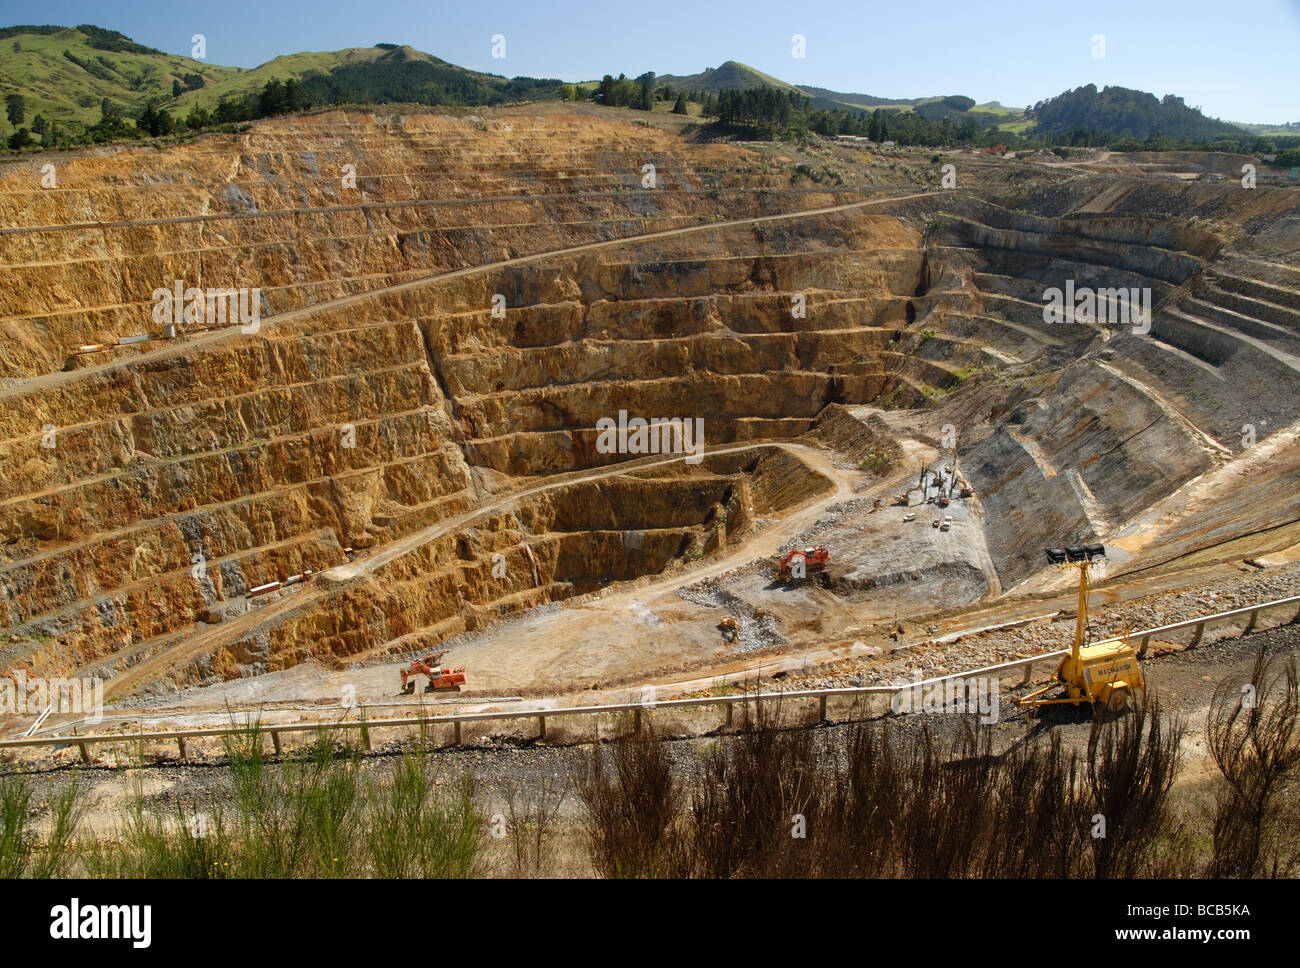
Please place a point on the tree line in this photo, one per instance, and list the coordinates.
(1117, 118)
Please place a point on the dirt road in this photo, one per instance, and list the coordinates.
(330, 581)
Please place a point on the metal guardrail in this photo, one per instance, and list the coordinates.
(456, 720)
(1200, 623)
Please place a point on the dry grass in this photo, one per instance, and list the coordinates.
(1253, 730)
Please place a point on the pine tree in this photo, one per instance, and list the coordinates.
(16, 108)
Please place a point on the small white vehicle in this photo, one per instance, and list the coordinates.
(947, 522)
(910, 516)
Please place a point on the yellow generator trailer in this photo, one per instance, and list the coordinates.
(1105, 673)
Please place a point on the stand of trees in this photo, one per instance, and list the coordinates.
(1117, 113)
(772, 112)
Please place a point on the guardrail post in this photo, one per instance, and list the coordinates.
(1142, 649)
(541, 727)
(821, 709)
(85, 752)
(1196, 639)
(456, 733)
(730, 712)
(636, 720)
(1029, 671)
(1250, 626)
(275, 741)
(180, 742)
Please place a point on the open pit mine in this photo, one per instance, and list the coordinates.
(554, 393)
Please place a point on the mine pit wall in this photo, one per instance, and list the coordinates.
(675, 331)
(1071, 465)
(493, 199)
(1092, 450)
(708, 335)
(858, 438)
(156, 459)
(566, 542)
(236, 452)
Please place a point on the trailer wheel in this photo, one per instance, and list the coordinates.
(1117, 701)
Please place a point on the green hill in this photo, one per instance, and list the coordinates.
(731, 76)
(1125, 113)
(241, 82)
(65, 73)
(383, 74)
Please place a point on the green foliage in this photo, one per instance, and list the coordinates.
(111, 125)
(155, 122)
(199, 117)
(24, 853)
(618, 93)
(825, 175)
(111, 40)
(91, 67)
(876, 462)
(186, 82)
(132, 75)
(15, 108)
(312, 815)
(761, 107)
(398, 79)
(1086, 116)
(780, 113)
(46, 29)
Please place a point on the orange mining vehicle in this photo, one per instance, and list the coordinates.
(799, 561)
(440, 679)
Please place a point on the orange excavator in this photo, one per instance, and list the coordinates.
(799, 561)
(440, 679)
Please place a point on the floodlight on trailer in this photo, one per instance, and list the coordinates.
(1104, 673)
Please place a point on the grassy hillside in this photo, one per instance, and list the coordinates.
(382, 74)
(732, 75)
(240, 81)
(64, 73)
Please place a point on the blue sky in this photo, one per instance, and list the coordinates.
(1240, 62)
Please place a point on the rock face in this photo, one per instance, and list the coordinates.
(170, 484)
(415, 367)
